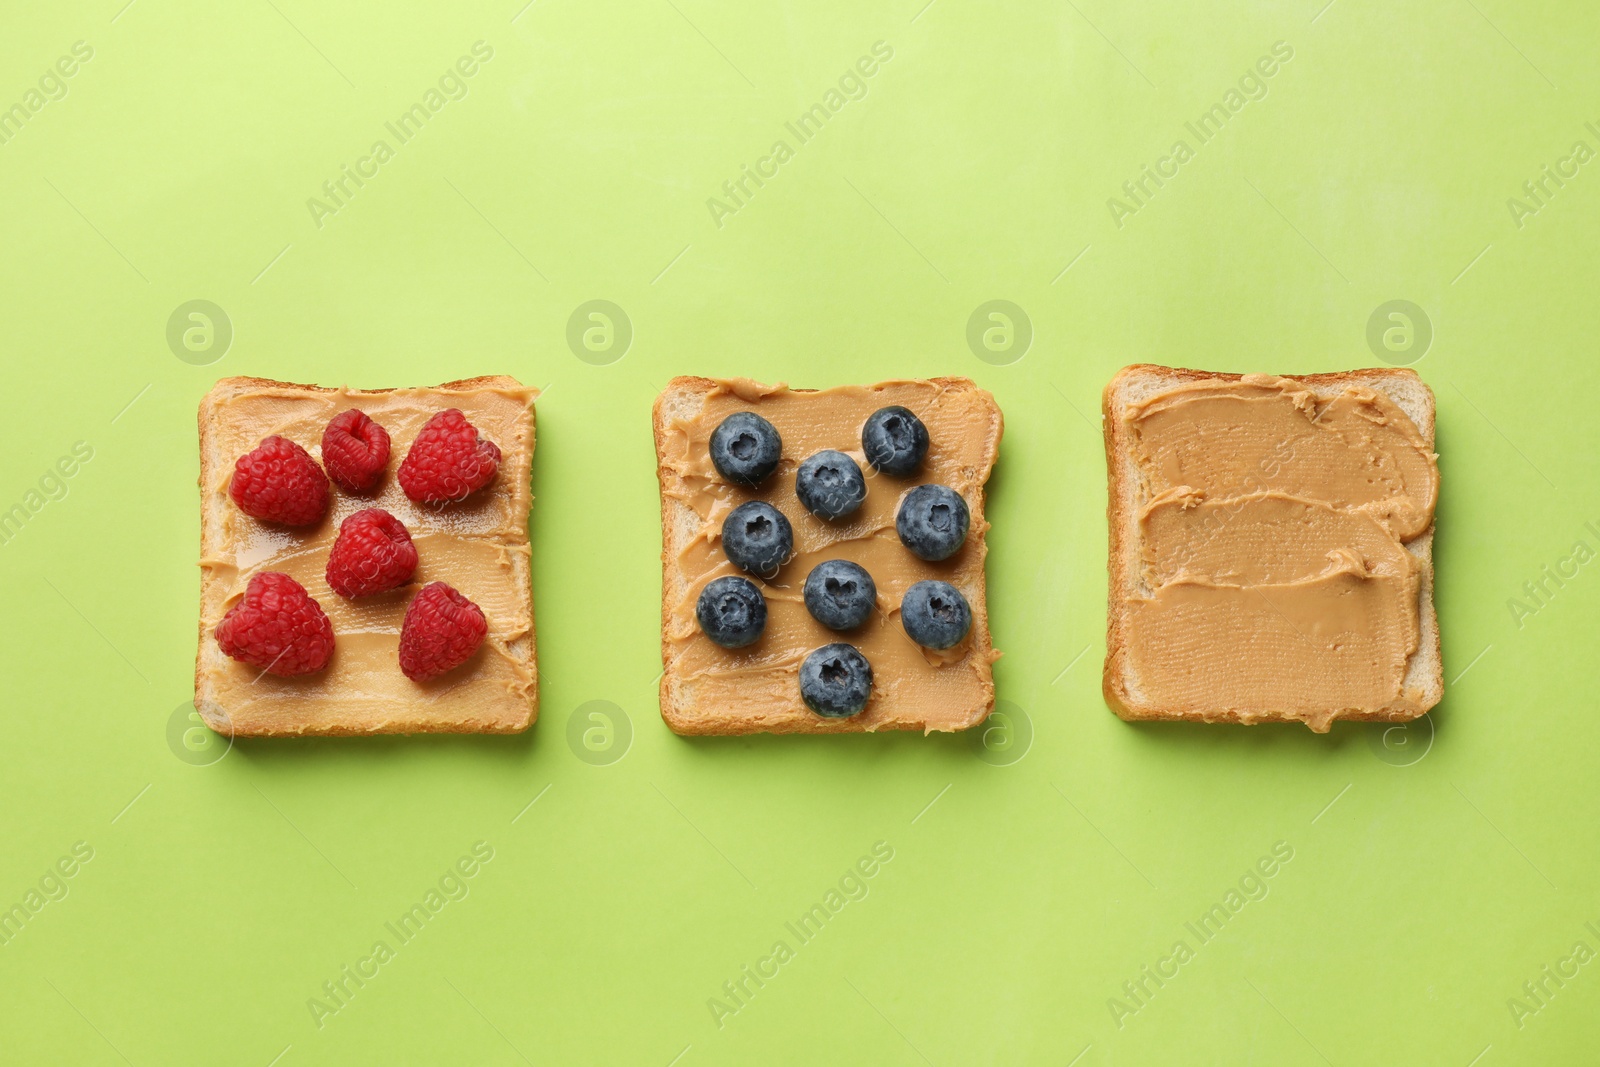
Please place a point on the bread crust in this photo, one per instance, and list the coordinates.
(1121, 521)
(212, 461)
(674, 703)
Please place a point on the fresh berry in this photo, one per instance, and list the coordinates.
(277, 628)
(830, 485)
(732, 611)
(448, 461)
(745, 448)
(935, 614)
(278, 481)
(757, 538)
(894, 440)
(840, 594)
(932, 522)
(372, 554)
(355, 450)
(442, 630)
(835, 681)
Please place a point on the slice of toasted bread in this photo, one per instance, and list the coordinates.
(1423, 682)
(710, 690)
(478, 545)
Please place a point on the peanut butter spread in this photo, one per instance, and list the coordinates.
(1274, 576)
(478, 545)
(913, 687)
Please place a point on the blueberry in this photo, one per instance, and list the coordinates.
(894, 440)
(835, 681)
(745, 448)
(757, 538)
(840, 594)
(932, 522)
(732, 611)
(830, 485)
(935, 614)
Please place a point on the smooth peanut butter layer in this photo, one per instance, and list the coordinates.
(478, 545)
(1259, 538)
(1231, 437)
(709, 689)
(1337, 640)
(1274, 578)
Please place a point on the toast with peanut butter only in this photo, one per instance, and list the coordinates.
(1271, 547)
(707, 689)
(479, 545)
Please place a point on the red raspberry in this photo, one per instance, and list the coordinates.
(355, 450)
(442, 630)
(277, 627)
(372, 554)
(278, 481)
(448, 460)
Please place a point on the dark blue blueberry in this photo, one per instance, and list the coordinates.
(745, 448)
(731, 611)
(895, 441)
(835, 681)
(932, 522)
(840, 594)
(935, 614)
(757, 538)
(830, 485)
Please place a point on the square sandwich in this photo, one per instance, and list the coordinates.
(1271, 546)
(884, 543)
(475, 541)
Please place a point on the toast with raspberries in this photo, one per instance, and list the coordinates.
(807, 535)
(364, 559)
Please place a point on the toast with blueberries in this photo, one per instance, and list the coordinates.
(364, 559)
(823, 556)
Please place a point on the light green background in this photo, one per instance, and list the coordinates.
(1429, 879)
